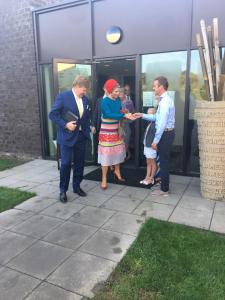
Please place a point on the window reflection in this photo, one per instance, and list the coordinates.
(68, 71)
(173, 66)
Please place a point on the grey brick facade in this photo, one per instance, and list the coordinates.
(20, 132)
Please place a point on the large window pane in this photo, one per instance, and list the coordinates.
(173, 66)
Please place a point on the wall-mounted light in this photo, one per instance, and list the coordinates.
(114, 34)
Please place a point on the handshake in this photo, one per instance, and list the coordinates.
(134, 116)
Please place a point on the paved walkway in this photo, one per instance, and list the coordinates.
(51, 250)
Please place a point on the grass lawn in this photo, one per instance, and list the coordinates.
(169, 261)
(6, 163)
(12, 197)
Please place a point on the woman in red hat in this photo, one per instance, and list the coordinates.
(111, 148)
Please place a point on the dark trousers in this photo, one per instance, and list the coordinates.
(77, 152)
(164, 146)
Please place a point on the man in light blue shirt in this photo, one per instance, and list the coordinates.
(164, 136)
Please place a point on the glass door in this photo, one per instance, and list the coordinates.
(172, 65)
(64, 72)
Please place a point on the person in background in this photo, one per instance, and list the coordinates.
(96, 121)
(72, 135)
(127, 92)
(111, 148)
(127, 107)
(149, 152)
(164, 136)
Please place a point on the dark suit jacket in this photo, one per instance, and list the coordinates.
(65, 102)
(96, 121)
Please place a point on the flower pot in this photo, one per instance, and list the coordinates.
(211, 134)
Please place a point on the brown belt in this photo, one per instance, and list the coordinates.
(168, 129)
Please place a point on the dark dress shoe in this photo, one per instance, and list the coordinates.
(80, 192)
(63, 197)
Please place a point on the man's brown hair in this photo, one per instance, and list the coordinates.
(81, 81)
(162, 81)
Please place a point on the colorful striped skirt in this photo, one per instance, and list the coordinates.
(111, 147)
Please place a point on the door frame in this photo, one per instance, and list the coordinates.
(55, 61)
(137, 74)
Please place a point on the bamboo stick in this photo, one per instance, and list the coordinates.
(217, 50)
(207, 59)
(221, 81)
(212, 61)
(202, 61)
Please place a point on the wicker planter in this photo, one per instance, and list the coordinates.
(211, 134)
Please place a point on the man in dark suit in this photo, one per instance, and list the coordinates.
(72, 135)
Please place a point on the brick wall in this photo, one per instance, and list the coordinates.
(19, 111)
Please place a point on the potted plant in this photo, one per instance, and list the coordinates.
(210, 115)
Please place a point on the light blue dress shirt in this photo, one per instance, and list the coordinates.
(164, 117)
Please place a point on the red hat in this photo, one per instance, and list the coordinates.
(110, 85)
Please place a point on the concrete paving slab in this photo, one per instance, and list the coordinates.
(25, 185)
(6, 173)
(71, 196)
(30, 176)
(70, 235)
(108, 244)
(88, 185)
(13, 217)
(219, 207)
(37, 226)
(81, 273)
(93, 199)
(180, 179)
(112, 189)
(62, 210)
(172, 199)
(14, 285)
(178, 188)
(193, 191)
(54, 181)
(10, 181)
(12, 244)
(48, 291)
(197, 203)
(218, 222)
(39, 162)
(36, 204)
(121, 204)
(124, 223)
(195, 218)
(155, 210)
(134, 193)
(45, 190)
(92, 216)
(40, 259)
(195, 181)
(89, 169)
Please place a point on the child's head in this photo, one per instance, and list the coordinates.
(151, 110)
